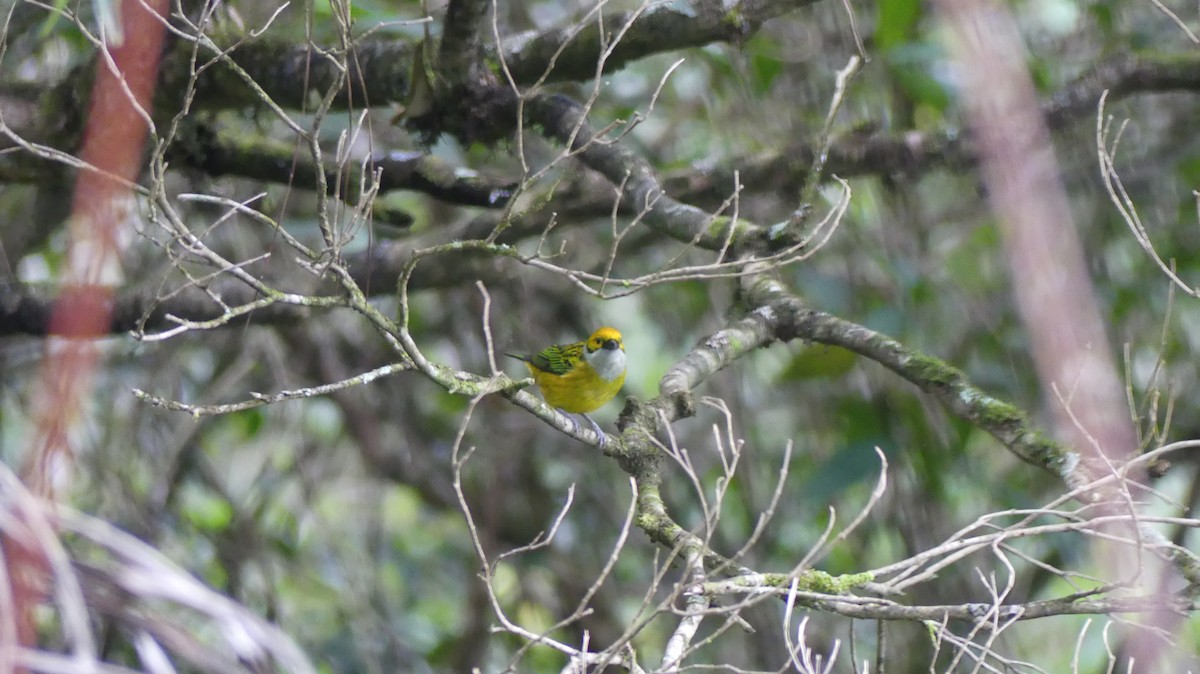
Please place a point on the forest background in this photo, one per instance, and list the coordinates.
(906, 288)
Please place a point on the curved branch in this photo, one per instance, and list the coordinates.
(882, 609)
(781, 316)
(787, 318)
(1122, 75)
(377, 72)
(25, 309)
(219, 151)
(565, 121)
(858, 153)
(571, 53)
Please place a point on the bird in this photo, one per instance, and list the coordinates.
(580, 377)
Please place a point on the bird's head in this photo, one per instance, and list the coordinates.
(605, 338)
(606, 352)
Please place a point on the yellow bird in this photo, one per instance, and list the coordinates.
(578, 378)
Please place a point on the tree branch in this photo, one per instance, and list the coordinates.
(462, 39)
(26, 308)
(219, 151)
(565, 121)
(571, 53)
(1122, 75)
(870, 608)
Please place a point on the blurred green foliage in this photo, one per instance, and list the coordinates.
(338, 517)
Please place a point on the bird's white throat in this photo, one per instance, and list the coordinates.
(608, 363)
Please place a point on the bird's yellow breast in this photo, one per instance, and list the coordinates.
(578, 391)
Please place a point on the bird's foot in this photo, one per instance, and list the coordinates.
(596, 427)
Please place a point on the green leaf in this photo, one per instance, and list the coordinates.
(922, 88)
(51, 21)
(854, 460)
(897, 22)
(1102, 14)
(765, 66)
(1188, 171)
(206, 511)
(247, 422)
(1043, 72)
(971, 264)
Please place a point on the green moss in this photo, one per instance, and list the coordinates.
(654, 524)
(820, 581)
(934, 370)
(734, 18)
(1045, 451)
(812, 580)
(719, 229)
(998, 412)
